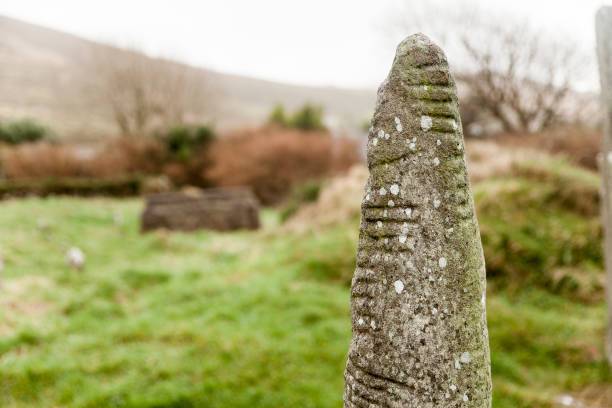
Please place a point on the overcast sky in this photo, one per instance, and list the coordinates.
(340, 43)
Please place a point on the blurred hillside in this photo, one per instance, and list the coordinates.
(47, 76)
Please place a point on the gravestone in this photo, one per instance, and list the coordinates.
(603, 24)
(418, 293)
(215, 209)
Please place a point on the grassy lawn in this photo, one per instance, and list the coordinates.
(254, 319)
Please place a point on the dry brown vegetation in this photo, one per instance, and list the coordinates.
(580, 145)
(271, 160)
(117, 158)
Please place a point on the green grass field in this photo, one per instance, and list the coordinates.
(253, 319)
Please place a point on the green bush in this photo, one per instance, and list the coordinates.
(300, 195)
(278, 116)
(183, 141)
(22, 131)
(308, 117)
(540, 227)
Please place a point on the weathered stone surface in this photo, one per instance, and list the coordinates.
(216, 209)
(604, 52)
(418, 293)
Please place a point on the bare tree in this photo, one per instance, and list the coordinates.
(144, 93)
(520, 77)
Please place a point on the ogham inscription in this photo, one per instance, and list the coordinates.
(418, 292)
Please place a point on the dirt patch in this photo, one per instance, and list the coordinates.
(21, 302)
(339, 201)
(597, 396)
(487, 159)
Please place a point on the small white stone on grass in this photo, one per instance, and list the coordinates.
(375, 141)
(566, 400)
(402, 239)
(391, 203)
(465, 398)
(436, 203)
(381, 133)
(436, 161)
(75, 258)
(394, 189)
(382, 191)
(399, 286)
(379, 224)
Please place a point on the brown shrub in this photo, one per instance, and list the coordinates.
(118, 157)
(580, 145)
(42, 160)
(271, 160)
(130, 156)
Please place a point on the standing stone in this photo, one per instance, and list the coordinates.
(604, 51)
(418, 294)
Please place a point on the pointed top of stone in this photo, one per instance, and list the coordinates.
(418, 50)
(416, 103)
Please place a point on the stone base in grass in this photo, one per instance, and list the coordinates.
(214, 209)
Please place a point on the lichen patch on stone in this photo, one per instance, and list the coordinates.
(398, 124)
(426, 123)
(442, 262)
(399, 286)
